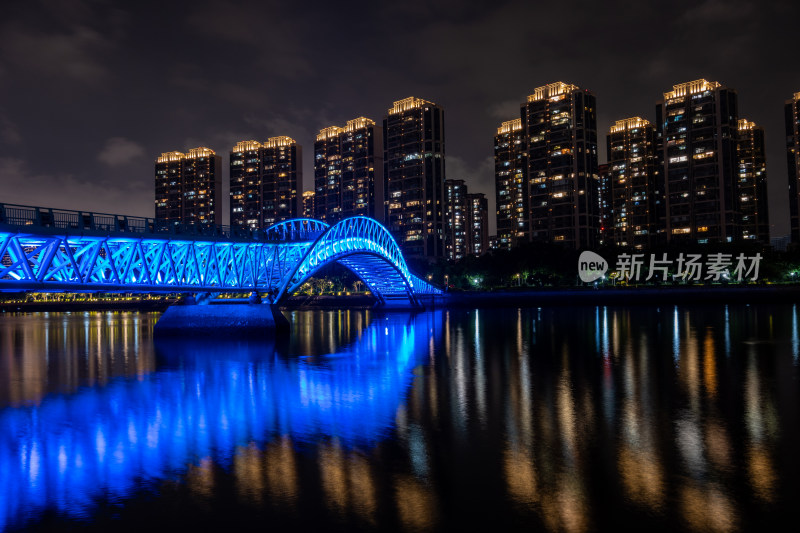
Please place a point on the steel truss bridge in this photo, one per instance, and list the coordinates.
(71, 251)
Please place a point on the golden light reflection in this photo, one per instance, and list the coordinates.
(642, 476)
(200, 478)
(334, 477)
(362, 487)
(707, 508)
(347, 482)
(248, 465)
(709, 365)
(520, 475)
(416, 505)
(718, 445)
(93, 348)
(565, 508)
(690, 368)
(639, 461)
(281, 470)
(566, 409)
(760, 420)
(761, 473)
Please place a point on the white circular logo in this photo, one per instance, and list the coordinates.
(591, 266)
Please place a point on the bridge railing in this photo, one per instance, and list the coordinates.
(63, 219)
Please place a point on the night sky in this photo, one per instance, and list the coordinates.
(91, 92)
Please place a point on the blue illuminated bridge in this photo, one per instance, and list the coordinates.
(45, 249)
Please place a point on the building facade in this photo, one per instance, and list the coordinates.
(188, 187)
(477, 227)
(414, 175)
(792, 119)
(631, 195)
(751, 183)
(560, 128)
(265, 180)
(606, 235)
(697, 125)
(511, 184)
(348, 171)
(456, 211)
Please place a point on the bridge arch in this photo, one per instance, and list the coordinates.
(366, 248)
(296, 229)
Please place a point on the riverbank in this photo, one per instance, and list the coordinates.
(748, 294)
(94, 305)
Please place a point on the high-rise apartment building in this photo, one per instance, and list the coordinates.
(414, 174)
(467, 215)
(511, 184)
(328, 174)
(751, 183)
(560, 128)
(477, 226)
(246, 173)
(169, 187)
(697, 126)
(631, 194)
(792, 118)
(308, 204)
(265, 179)
(188, 187)
(348, 171)
(456, 210)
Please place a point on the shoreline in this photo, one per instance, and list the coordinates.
(619, 296)
(62, 307)
(502, 298)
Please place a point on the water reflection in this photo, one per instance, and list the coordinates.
(555, 419)
(60, 352)
(209, 403)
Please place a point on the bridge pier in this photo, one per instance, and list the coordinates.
(399, 304)
(222, 321)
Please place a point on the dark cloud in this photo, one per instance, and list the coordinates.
(9, 133)
(119, 151)
(23, 185)
(77, 74)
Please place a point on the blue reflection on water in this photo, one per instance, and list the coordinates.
(205, 401)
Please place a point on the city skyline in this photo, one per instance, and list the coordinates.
(117, 120)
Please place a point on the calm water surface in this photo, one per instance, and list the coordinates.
(560, 419)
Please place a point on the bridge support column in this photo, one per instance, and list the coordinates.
(222, 320)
